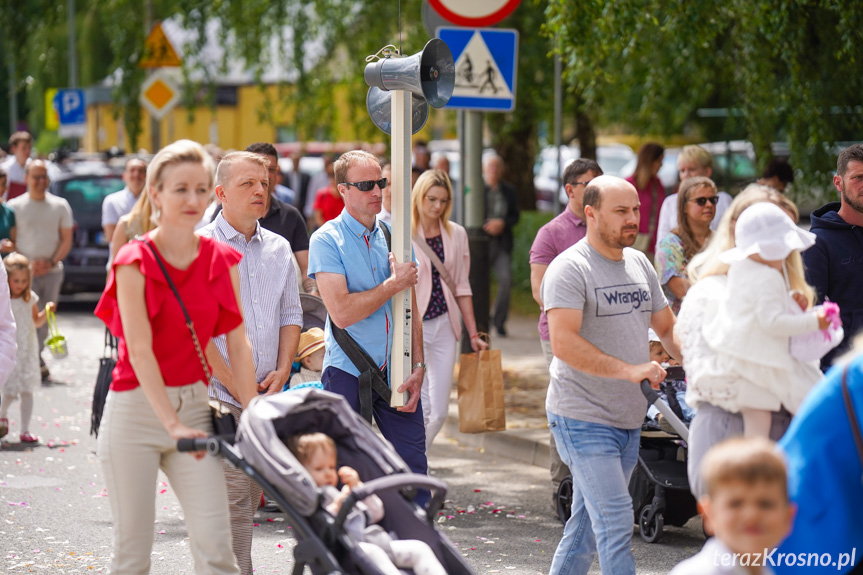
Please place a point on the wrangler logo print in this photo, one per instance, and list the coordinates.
(622, 299)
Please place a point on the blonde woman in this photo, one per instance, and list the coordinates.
(444, 297)
(159, 389)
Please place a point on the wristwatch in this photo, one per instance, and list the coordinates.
(419, 364)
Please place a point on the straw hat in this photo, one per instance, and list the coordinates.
(765, 229)
(310, 342)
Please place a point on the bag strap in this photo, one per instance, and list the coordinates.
(110, 347)
(852, 414)
(51, 320)
(435, 260)
(189, 323)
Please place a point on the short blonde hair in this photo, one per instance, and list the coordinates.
(223, 170)
(695, 154)
(307, 444)
(428, 180)
(748, 460)
(350, 159)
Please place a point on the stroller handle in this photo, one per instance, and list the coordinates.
(649, 392)
(387, 483)
(212, 445)
(654, 399)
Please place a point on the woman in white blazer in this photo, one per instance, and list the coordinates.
(444, 297)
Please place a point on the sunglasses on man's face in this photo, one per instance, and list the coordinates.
(703, 201)
(367, 185)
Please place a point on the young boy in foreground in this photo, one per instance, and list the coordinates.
(746, 505)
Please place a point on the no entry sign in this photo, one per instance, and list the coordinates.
(476, 13)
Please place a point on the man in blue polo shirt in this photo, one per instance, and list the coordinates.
(357, 276)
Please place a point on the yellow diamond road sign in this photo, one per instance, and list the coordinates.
(160, 94)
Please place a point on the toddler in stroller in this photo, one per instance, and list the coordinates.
(324, 542)
(317, 453)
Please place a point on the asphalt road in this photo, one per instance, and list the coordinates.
(55, 518)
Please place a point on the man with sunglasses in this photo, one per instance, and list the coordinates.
(357, 275)
(563, 231)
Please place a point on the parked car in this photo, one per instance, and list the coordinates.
(84, 189)
(611, 158)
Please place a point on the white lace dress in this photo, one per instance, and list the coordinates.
(26, 375)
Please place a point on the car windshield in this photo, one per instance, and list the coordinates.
(85, 194)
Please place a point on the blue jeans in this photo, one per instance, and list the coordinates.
(601, 459)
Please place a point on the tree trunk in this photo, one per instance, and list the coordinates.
(584, 130)
(517, 149)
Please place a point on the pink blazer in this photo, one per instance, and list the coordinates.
(456, 262)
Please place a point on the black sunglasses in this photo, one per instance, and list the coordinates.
(703, 201)
(367, 185)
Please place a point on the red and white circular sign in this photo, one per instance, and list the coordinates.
(476, 13)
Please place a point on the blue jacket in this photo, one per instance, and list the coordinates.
(834, 266)
(824, 474)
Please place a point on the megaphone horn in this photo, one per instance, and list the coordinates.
(379, 103)
(429, 74)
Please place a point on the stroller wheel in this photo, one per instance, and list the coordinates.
(650, 531)
(564, 499)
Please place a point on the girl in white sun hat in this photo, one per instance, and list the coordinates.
(754, 324)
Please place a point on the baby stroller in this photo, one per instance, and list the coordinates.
(659, 486)
(322, 543)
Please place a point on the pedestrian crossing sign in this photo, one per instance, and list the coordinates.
(485, 67)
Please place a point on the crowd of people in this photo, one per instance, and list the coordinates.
(208, 260)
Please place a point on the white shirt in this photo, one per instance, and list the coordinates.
(717, 559)
(14, 174)
(668, 214)
(116, 205)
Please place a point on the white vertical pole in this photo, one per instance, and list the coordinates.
(400, 363)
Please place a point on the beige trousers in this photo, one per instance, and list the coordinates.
(133, 445)
(244, 498)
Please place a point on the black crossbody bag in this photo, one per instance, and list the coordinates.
(223, 420)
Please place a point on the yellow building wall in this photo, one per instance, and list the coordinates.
(235, 126)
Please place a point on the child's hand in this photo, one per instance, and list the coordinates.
(823, 320)
(349, 477)
(801, 300)
(50, 306)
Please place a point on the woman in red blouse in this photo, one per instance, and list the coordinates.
(650, 194)
(159, 389)
(328, 201)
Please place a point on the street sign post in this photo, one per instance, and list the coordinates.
(476, 13)
(72, 113)
(485, 66)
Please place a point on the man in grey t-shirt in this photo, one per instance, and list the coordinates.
(600, 297)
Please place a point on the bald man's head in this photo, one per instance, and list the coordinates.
(597, 187)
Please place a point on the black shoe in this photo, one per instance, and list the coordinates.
(501, 331)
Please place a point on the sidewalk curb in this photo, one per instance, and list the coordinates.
(530, 446)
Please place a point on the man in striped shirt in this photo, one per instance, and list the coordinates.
(271, 308)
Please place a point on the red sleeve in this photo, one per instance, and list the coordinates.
(224, 258)
(132, 253)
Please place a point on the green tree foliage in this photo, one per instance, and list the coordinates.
(790, 68)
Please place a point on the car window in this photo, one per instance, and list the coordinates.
(85, 195)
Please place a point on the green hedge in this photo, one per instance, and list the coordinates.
(524, 234)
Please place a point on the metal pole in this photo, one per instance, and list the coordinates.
(155, 125)
(458, 203)
(73, 45)
(558, 129)
(473, 221)
(400, 361)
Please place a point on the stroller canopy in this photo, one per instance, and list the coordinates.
(270, 419)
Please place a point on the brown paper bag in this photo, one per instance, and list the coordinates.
(480, 393)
